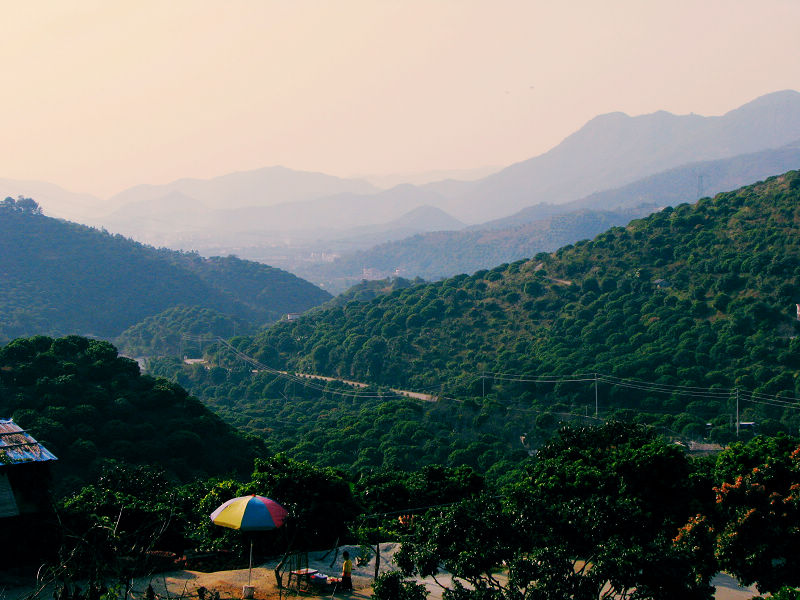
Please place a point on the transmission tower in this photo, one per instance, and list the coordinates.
(700, 189)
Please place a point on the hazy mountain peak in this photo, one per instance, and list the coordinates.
(614, 149)
(172, 203)
(267, 186)
(779, 99)
(611, 117)
(433, 219)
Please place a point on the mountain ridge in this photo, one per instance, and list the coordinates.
(444, 254)
(609, 151)
(678, 184)
(615, 149)
(265, 186)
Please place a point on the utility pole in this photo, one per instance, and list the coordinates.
(737, 413)
(483, 385)
(595, 397)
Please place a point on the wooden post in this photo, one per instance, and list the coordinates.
(377, 559)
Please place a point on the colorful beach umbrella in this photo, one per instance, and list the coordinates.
(250, 513)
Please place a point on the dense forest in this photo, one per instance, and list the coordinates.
(696, 303)
(359, 431)
(174, 331)
(61, 277)
(368, 290)
(90, 406)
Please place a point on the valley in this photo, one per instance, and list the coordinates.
(598, 393)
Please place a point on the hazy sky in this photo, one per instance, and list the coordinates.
(101, 95)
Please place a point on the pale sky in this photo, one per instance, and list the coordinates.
(101, 95)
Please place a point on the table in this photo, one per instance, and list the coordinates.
(302, 576)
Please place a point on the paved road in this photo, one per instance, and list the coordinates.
(359, 384)
(727, 588)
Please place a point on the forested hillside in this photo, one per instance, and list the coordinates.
(173, 332)
(370, 289)
(700, 295)
(363, 430)
(88, 406)
(60, 277)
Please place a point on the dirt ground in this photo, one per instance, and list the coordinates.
(177, 585)
(229, 584)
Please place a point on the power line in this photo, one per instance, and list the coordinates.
(708, 393)
(293, 377)
(714, 393)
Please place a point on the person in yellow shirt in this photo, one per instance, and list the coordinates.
(347, 571)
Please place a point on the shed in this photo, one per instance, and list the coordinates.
(24, 471)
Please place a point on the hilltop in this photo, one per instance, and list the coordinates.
(61, 277)
(90, 406)
(175, 332)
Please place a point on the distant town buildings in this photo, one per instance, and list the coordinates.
(371, 274)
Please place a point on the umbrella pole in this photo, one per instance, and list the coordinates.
(250, 572)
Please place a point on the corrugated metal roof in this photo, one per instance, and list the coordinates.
(19, 446)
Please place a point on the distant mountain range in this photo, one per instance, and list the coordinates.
(543, 227)
(668, 188)
(614, 160)
(614, 149)
(608, 152)
(62, 278)
(178, 219)
(261, 187)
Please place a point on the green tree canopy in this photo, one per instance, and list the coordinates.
(596, 515)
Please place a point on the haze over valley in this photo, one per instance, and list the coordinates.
(506, 294)
(324, 228)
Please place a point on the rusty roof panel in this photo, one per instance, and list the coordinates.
(18, 446)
